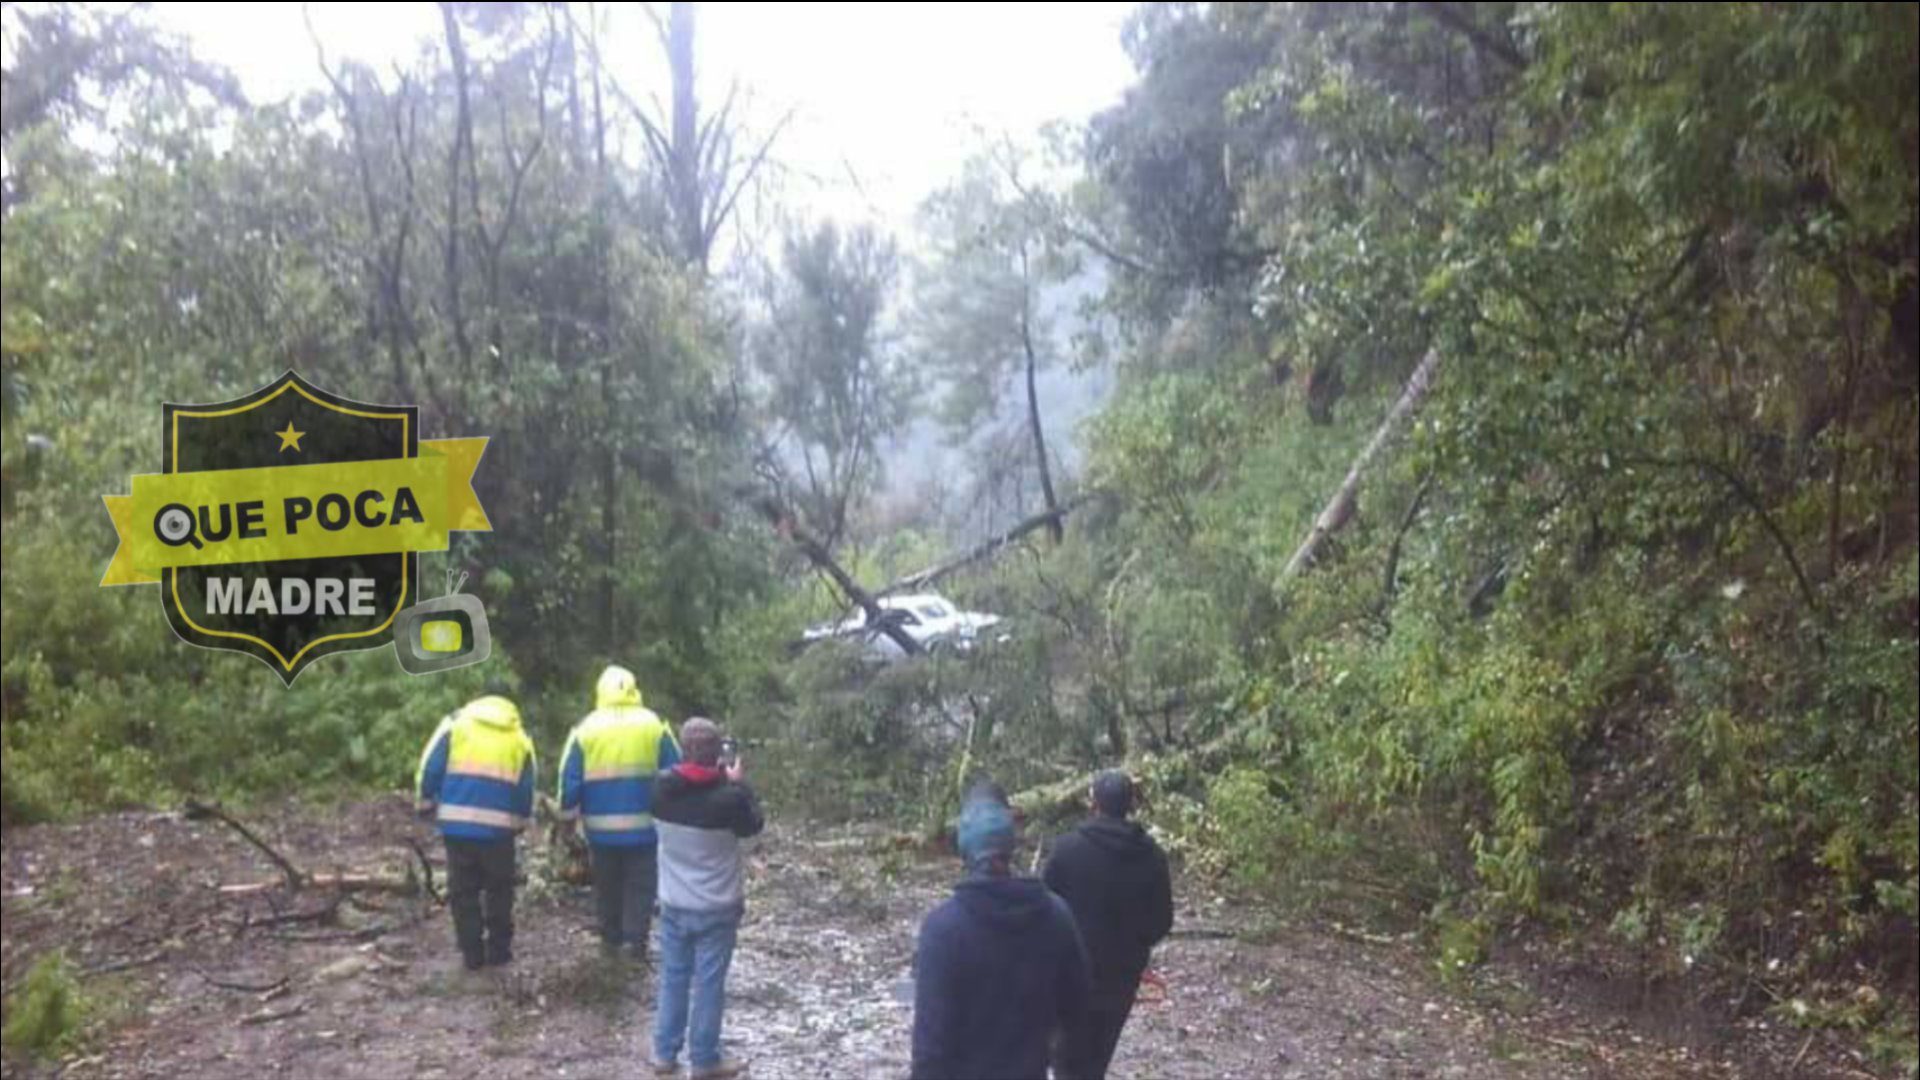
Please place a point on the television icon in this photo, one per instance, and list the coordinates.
(443, 634)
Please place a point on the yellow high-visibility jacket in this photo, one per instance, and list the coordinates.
(477, 772)
(607, 769)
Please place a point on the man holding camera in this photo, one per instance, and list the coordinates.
(702, 808)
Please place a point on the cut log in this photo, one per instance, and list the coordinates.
(1071, 795)
(358, 882)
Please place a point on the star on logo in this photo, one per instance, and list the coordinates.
(290, 437)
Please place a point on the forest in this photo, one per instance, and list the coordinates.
(1463, 458)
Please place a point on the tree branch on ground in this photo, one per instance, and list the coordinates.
(195, 810)
(240, 987)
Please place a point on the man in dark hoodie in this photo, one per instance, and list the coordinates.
(999, 968)
(1114, 878)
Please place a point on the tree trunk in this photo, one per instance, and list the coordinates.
(1837, 482)
(689, 208)
(603, 317)
(983, 550)
(462, 146)
(787, 524)
(1391, 587)
(1340, 510)
(1054, 525)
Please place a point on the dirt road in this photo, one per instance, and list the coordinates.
(272, 984)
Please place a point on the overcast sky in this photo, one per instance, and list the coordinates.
(893, 94)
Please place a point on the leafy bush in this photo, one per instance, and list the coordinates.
(105, 709)
(49, 1012)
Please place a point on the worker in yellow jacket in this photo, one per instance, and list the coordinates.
(476, 778)
(606, 781)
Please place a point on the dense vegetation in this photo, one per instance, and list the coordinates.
(1619, 641)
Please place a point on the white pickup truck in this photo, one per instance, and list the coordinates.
(931, 620)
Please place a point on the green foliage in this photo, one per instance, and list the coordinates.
(100, 715)
(194, 252)
(1254, 824)
(978, 313)
(1640, 653)
(1620, 641)
(49, 1013)
(835, 389)
(1460, 944)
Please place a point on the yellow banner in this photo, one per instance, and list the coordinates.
(292, 512)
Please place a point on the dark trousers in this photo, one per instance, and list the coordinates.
(1085, 1054)
(480, 892)
(624, 882)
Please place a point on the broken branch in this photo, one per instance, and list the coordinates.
(269, 1016)
(788, 524)
(196, 810)
(361, 882)
(126, 964)
(983, 550)
(426, 870)
(243, 988)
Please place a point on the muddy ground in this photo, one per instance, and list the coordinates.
(197, 983)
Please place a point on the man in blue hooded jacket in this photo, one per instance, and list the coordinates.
(1000, 967)
(476, 780)
(606, 781)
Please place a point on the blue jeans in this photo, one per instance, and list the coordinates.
(696, 948)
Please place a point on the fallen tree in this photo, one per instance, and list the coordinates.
(986, 549)
(1345, 501)
(788, 525)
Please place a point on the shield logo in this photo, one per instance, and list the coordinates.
(291, 612)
